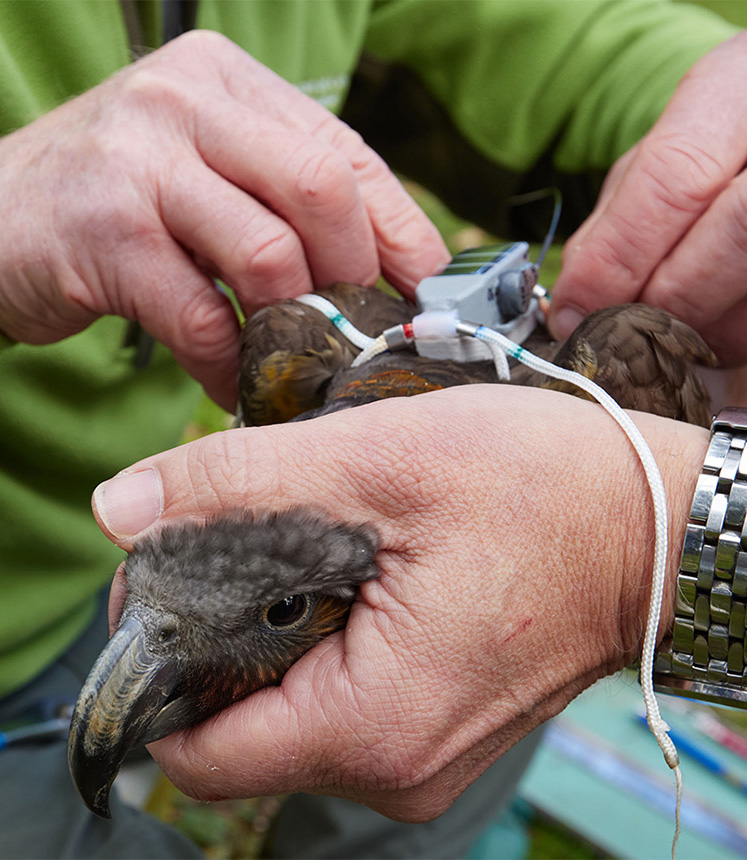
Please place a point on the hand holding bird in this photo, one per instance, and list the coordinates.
(194, 633)
(214, 611)
(516, 539)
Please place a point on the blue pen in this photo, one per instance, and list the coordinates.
(604, 762)
(46, 730)
(703, 757)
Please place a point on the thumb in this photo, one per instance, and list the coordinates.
(278, 466)
(291, 727)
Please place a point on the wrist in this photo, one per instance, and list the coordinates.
(703, 658)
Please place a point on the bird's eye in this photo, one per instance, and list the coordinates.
(166, 633)
(287, 612)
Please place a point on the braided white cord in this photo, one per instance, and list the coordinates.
(656, 723)
(376, 347)
(503, 371)
(500, 346)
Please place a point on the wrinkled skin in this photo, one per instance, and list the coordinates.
(480, 496)
(669, 228)
(514, 522)
(194, 162)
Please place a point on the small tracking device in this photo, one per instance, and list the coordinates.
(495, 286)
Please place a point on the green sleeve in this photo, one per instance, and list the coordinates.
(52, 51)
(73, 413)
(499, 97)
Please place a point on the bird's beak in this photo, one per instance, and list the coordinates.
(124, 693)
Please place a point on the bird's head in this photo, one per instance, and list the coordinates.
(214, 611)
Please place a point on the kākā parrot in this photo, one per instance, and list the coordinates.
(214, 611)
(219, 609)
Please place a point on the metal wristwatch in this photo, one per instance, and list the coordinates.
(704, 657)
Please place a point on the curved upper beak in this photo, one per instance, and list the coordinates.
(123, 695)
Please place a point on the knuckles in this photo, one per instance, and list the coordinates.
(325, 179)
(206, 327)
(155, 90)
(169, 84)
(274, 254)
(194, 50)
(693, 175)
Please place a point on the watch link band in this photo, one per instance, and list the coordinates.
(704, 658)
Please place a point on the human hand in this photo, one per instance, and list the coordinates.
(669, 228)
(515, 572)
(196, 161)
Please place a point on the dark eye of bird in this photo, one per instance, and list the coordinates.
(287, 612)
(166, 634)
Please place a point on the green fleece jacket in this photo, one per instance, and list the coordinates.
(476, 98)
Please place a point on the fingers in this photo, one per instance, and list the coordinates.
(703, 280)
(196, 160)
(408, 245)
(312, 187)
(353, 217)
(313, 228)
(674, 175)
(314, 733)
(181, 307)
(251, 249)
(206, 762)
(303, 164)
(368, 761)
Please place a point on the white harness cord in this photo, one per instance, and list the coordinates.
(354, 335)
(376, 347)
(437, 324)
(500, 343)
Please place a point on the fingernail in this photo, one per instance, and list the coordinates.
(564, 321)
(129, 503)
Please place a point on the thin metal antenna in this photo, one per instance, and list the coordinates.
(542, 194)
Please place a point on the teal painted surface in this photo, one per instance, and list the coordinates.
(599, 809)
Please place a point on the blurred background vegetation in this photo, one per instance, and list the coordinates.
(237, 829)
